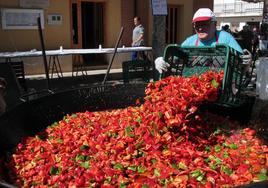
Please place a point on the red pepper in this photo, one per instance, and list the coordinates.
(166, 141)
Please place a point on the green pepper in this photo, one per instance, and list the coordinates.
(226, 170)
(85, 164)
(160, 115)
(84, 147)
(214, 83)
(54, 170)
(128, 131)
(118, 166)
(141, 169)
(217, 148)
(262, 176)
(80, 157)
(133, 168)
(157, 172)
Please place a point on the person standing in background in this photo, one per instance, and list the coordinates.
(247, 36)
(137, 36)
(255, 40)
(227, 28)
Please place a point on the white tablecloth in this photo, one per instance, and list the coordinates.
(34, 53)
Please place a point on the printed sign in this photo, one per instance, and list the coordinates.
(159, 7)
(21, 18)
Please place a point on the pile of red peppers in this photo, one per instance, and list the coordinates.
(164, 142)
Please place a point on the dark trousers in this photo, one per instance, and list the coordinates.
(134, 55)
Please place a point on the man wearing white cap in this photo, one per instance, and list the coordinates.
(204, 23)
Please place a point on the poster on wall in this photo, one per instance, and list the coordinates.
(34, 3)
(159, 7)
(21, 18)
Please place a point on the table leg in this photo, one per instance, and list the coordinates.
(58, 62)
(49, 66)
(54, 60)
(8, 59)
(78, 65)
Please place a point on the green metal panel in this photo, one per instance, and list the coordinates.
(136, 69)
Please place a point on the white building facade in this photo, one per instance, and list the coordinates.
(237, 13)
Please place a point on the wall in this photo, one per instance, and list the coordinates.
(25, 40)
(54, 36)
(113, 22)
(186, 20)
(127, 14)
(117, 13)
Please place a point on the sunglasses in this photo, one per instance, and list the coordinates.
(201, 25)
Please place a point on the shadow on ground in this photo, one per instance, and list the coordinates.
(65, 83)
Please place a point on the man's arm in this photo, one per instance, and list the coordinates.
(234, 44)
(138, 39)
(227, 38)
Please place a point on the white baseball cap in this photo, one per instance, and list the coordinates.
(203, 14)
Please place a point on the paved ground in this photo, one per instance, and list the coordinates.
(69, 81)
(37, 85)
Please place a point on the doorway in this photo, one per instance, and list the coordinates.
(173, 23)
(88, 29)
(92, 24)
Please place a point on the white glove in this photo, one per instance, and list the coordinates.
(160, 65)
(246, 57)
